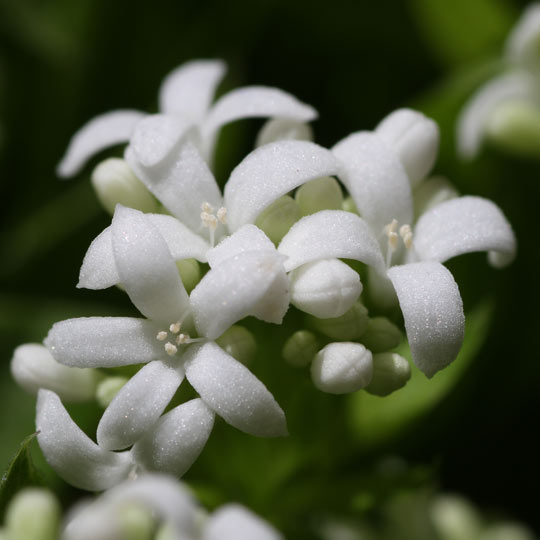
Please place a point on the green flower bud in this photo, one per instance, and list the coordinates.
(349, 205)
(515, 127)
(454, 518)
(390, 373)
(190, 273)
(381, 335)
(239, 342)
(319, 194)
(278, 218)
(135, 522)
(166, 532)
(33, 514)
(114, 182)
(300, 348)
(108, 388)
(349, 326)
(432, 192)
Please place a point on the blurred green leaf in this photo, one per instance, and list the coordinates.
(376, 419)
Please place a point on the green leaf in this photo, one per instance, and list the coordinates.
(377, 419)
(20, 473)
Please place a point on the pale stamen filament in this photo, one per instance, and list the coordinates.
(211, 220)
(405, 232)
(177, 339)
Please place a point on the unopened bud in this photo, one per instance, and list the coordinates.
(115, 183)
(279, 129)
(135, 522)
(390, 372)
(351, 325)
(108, 388)
(431, 192)
(190, 273)
(319, 194)
(340, 368)
(33, 367)
(381, 335)
(278, 218)
(454, 518)
(300, 348)
(33, 514)
(239, 342)
(325, 288)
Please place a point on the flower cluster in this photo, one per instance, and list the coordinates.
(282, 233)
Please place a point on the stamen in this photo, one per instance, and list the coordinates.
(209, 220)
(222, 215)
(175, 327)
(207, 207)
(161, 336)
(391, 227)
(392, 240)
(182, 339)
(406, 234)
(170, 349)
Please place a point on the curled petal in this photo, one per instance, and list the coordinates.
(279, 129)
(189, 90)
(104, 342)
(233, 392)
(270, 172)
(75, 457)
(433, 312)
(464, 225)
(106, 130)
(176, 440)
(146, 267)
(138, 405)
(522, 43)
(330, 234)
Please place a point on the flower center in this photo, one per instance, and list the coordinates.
(174, 338)
(211, 220)
(391, 232)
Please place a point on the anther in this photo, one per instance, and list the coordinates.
(209, 220)
(175, 327)
(161, 336)
(181, 339)
(392, 240)
(222, 215)
(207, 207)
(390, 228)
(170, 349)
(406, 234)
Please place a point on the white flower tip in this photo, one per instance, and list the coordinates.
(522, 43)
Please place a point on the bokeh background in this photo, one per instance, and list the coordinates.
(64, 61)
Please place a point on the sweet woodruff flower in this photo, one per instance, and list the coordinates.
(185, 97)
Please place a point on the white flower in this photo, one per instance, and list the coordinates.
(185, 96)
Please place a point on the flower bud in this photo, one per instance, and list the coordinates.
(33, 514)
(506, 531)
(33, 367)
(381, 335)
(108, 388)
(390, 372)
(300, 348)
(319, 194)
(281, 129)
(239, 342)
(351, 325)
(278, 218)
(415, 139)
(135, 522)
(515, 126)
(190, 273)
(432, 192)
(454, 518)
(325, 288)
(340, 368)
(349, 205)
(115, 182)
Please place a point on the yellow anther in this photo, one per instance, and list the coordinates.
(408, 240)
(181, 339)
(222, 215)
(161, 336)
(170, 349)
(207, 207)
(175, 327)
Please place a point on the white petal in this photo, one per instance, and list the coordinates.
(433, 312)
(375, 178)
(189, 89)
(106, 130)
(235, 289)
(464, 225)
(472, 120)
(330, 234)
(247, 238)
(233, 392)
(146, 267)
(522, 43)
(234, 522)
(270, 172)
(138, 405)
(176, 440)
(280, 129)
(33, 367)
(274, 304)
(104, 342)
(75, 457)
(415, 138)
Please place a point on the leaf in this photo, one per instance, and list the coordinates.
(20, 473)
(376, 419)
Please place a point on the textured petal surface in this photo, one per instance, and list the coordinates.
(235, 289)
(234, 522)
(146, 267)
(233, 392)
(375, 178)
(177, 439)
(138, 405)
(75, 457)
(104, 341)
(433, 312)
(472, 120)
(330, 234)
(189, 90)
(270, 172)
(464, 225)
(101, 132)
